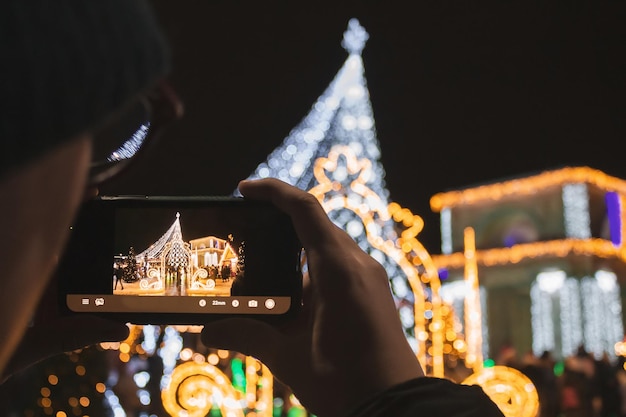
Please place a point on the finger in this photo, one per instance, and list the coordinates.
(247, 336)
(309, 218)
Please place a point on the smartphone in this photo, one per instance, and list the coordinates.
(181, 260)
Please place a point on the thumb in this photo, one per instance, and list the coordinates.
(248, 336)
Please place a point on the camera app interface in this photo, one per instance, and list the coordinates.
(231, 259)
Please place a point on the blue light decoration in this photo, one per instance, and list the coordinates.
(342, 117)
(613, 210)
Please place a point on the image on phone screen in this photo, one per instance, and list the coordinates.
(138, 258)
(202, 261)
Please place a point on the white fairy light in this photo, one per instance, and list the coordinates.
(571, 318)
(556, 314)
(576, 211)
(453, 294)
(174, 233)
(485, 327)
(593, 319)
(609, 307)
(551, 281)
(613, 309)
(541, 319)
(169, 353)
(342, 115)
(446, 231)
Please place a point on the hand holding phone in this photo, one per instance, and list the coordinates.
(347, 342)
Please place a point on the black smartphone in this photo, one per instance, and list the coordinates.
(181, 260)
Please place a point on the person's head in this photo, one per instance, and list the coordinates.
(69, 70)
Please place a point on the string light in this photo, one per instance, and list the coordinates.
(541, 310)
(473, 316)
(194, 388)
(527, 186)
(612, 309)
(511, 390)
(559, 248)
(571, 317)
(576, 211)
(445, 225)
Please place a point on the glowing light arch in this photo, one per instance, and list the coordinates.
(367, 214)
(511, 390)
(192, 388)
(417, 254)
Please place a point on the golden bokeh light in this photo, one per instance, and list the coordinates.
(195, 387)
(511, 390)
(53, 379)
(213, 359)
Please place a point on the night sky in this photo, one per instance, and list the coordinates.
(463, 92)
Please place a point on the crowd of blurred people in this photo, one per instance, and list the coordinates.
(580, 385)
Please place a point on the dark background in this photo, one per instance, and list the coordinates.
(463, 92)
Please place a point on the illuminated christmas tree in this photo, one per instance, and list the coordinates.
(130, 272)
(341, 123)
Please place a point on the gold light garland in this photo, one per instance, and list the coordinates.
(417, 254)
(194, 387)
(407, 252)
(517, 253)
(528, 185)
(511, 390)
(259, 399)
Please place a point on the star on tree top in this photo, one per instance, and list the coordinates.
(354, 37)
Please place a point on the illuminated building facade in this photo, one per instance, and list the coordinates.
(550, 258)
(212, 251)
(173, 266)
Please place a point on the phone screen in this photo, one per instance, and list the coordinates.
(156, 259)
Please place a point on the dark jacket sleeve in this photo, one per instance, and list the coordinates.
(429, 397)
